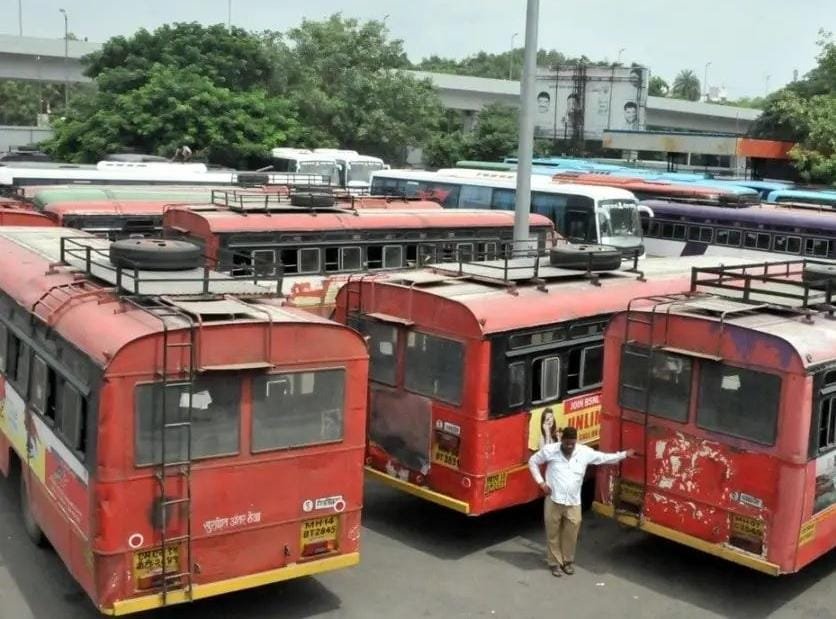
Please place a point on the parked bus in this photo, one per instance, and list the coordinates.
(355, 169)
(13, 214)
(145, 442)
(474, 366)
(706, 192)
(726, 394)
(748, 233)
(583, 214)
(127, 173)
(316, 250)
(800, 197)
(305, 161)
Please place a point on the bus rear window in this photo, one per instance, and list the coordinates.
(216, 406)
(298, 409)
(434, 367)
(738, 402)
(383, 348)
(661, 388)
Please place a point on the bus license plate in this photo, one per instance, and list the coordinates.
(150, 562)
(319, 530)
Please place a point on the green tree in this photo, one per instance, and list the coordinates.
(496, 134)
(805, 112)
(686, 86)
(183, 83)
(21, 102)
(499, 66)
(658, 87)
(345, 80)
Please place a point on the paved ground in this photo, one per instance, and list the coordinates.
(423, 561)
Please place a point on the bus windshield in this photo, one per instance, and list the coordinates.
(361, 171)
(328, 169)
(619, 223)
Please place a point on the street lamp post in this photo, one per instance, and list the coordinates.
(705, 79)
(511, 57)
(621, 51)
(766, 85)
(20, 17)
(229, 15)
(66, 56)
(522, 206)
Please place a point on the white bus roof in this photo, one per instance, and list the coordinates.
(508, 180)
(349, 155)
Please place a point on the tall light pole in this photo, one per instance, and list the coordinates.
(526, 150)
(229, 15)
(20, 17)
(511, 57)
(66, 56)
(619, 55)
(705, 79)
(766, 84)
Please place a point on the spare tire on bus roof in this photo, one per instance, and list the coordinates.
(312, 199)
(818, 275)
(585, 256)
(155, 254)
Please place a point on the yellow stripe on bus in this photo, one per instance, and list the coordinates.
(180, 596)
(718, 550)
(420, 491)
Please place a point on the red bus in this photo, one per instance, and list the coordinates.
(468, 365)
(161, 463)
(317, 250)
(726, 392)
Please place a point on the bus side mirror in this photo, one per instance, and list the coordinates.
(646, 210)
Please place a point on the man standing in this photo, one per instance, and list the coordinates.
(566, 464)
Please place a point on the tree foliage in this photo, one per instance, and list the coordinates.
(344, 79)
(658, 87)
(500, 66)
(686, 86)
(21, 102)
(805, 112)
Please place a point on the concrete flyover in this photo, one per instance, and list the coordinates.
(470, 94)
(32, 58)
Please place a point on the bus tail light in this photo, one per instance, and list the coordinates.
(746, 533)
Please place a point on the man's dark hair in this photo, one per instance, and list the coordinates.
(630, 104)
(570, 432)
(544, 95)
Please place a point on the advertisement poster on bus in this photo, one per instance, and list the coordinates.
(825, 495)
(582, 412)
(575, 102)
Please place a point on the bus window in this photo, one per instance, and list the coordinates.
(584, 368)
(392, 256)
(443, 193)
(679, 232)
(667, 231)
(309, 260)
(738, 402)
(427, 254)
(817, 247)
(827, 424)
(70, 416)
(215, 417)
(577, 225)
(351, 259)
(17, 363)
(474, 196)
(263, 261)
(655, 229)
(756, 240)
(516, 384)
(728, 237)
(3, 343)
(434, 367)
(297, 409)
(545, 379)
(701, 234)
(787, 244)
(550, 205)
(503, 199)
(383, 347)
(668, 382)
(464, 252)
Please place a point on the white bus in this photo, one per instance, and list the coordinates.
(581, 213)
(304, 161)
(355, 169)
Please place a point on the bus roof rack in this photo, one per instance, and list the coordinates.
(798, 285)
(267, 202)
(91, 255)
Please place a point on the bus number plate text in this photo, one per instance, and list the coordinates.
(320, 530)
(150, 562)
(496, 482)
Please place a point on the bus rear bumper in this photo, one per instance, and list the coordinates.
(201, 591)
(722, 551)
(419, 491)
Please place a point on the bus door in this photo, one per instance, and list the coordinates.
(579, 221)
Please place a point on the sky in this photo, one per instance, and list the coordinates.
(744, 40)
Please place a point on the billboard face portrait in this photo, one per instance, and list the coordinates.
(544, 102)
(631, 115)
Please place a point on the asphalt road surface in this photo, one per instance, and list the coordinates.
(419, 560)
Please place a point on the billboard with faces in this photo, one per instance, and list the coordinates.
(613, 98)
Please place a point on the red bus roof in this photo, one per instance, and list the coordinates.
(16, 215)
(225, 221)
(34, 250)
(474, 308)
(636, 184)
(114, 207)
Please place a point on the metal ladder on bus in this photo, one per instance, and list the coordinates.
(174, 467)
(638, 317)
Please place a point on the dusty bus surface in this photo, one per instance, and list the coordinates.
(163, 464)
(726, 393)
